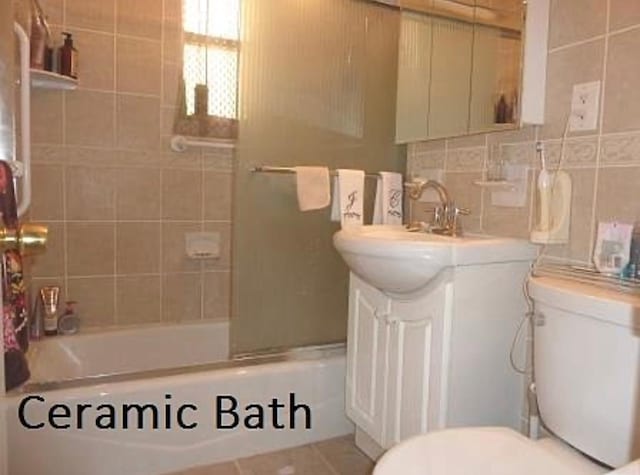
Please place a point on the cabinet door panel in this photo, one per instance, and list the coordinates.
(366, 358)
(411, 362)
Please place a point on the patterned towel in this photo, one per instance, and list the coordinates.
(14, 315)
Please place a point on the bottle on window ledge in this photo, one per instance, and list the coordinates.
(201, 100)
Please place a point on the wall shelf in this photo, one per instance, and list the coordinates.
(496, 184)
(49, 80)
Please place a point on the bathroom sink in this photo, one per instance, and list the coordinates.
(397, 261)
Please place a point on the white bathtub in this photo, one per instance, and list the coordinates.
(315, 377)
(127, 351)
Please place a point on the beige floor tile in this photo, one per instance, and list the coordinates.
(344, 457)
(301, 460)
(228, 468)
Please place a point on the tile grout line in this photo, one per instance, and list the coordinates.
(596, 179)
(324, 460)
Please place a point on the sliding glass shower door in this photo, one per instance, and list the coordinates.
(317, 87)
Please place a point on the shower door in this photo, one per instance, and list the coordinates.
(317, 87)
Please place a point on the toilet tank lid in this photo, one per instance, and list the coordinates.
(594, 301)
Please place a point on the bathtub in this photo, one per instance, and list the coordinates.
(132, 350)
(315, 378)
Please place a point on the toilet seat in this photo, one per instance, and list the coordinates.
(478, 451)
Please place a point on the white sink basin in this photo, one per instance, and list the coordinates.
(397, 261)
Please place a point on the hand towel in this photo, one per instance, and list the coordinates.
(348, 198)
(389, 193)
(313, 187)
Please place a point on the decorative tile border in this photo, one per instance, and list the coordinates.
(579, 153)
(623, 149)
(466, 159)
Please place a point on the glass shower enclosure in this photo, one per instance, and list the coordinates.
(317, 87)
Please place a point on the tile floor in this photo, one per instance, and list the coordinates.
(330, 457)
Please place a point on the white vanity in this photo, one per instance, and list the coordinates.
(431, 324)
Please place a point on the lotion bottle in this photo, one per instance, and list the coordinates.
(68, 57)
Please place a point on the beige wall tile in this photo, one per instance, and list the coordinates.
(46, 116)
(224, 262)
(172, 73)
(182, 295)
(622, 98)
(138, 299)
(138, 248)
(174, 258)
(51, 262)
(181, 194)
(53, 9)
(90, 193)
(95, 66)
(172, 42)
(624, 13)
(95, 297)
(504, 221)
(217, 295)
(466, 195)
(91, 249)
(576, 20)
(47, 196)
(90, 15)
(138, 122)
(89, 118)
(138, 66)
(477, 140)
(140, 18)
(217, 196)
(617, 198)
(137, 194)
(578, 64)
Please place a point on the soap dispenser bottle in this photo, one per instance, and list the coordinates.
(68, 57)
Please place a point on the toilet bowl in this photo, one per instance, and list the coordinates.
(488, 451)
(586, 355)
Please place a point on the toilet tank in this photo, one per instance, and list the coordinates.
(587, 367)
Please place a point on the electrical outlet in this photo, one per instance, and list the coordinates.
(585, 106)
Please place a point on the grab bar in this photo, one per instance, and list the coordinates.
(180, 143)
(291, 170)
(24, 169)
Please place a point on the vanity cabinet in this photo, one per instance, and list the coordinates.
(437, 358)
(395, 360)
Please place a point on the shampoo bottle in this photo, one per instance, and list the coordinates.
(68, 57)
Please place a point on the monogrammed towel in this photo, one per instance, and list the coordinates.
(389, 192)
(348, 199)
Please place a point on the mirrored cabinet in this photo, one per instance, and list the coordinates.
(459, 67)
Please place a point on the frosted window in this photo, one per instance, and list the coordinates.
(211, 33)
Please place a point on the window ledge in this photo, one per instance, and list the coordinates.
(180, 143)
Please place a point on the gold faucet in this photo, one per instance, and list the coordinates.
(445, 216)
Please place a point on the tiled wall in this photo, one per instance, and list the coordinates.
(116, 199)
(589, 40)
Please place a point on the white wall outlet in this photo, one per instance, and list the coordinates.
(202, 245)
(585, 106)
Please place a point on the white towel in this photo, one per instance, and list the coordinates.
(348, 198)
(313, 187)
(389, 194)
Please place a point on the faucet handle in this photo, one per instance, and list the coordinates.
(462, 211)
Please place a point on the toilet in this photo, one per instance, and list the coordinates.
(587, 371)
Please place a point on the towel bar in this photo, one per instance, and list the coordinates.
(290, 170)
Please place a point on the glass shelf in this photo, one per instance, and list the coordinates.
(48, 80)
